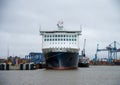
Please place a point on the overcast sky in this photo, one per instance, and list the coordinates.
(20, 21)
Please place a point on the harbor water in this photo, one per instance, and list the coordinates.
(94, 75)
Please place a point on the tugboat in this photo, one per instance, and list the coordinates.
(83, 60)
(60, 48)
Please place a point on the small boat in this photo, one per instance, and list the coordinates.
(83, 60)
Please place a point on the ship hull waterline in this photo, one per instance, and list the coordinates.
(61, 60)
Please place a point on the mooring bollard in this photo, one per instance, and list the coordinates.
(21, 66)
(7, 66)
(27, 66)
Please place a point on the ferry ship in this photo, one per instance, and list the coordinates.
(60, 48)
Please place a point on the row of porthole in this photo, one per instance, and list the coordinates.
(59, 48)
(59, 39)
(62, 43)
(60, 35)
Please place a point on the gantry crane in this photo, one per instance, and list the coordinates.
(112, 51)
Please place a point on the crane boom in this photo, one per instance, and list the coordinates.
(83, 51)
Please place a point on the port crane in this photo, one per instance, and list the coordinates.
(83, 51)
(112, 51)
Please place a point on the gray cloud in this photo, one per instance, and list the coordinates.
(20, 21)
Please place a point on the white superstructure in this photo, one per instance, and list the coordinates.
(60, 40)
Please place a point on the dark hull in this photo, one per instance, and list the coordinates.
(83, 64)
(61, 60)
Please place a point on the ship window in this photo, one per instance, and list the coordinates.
(61, 39)
(55, 35)
(45, 35)
(61, 35)
(47, 39)
(50, 35)
(44, 39)
(75, 39)
(58, 39)
(64, 39)
(69, 39)
(55, 39)
(64, 35)
(58, 35)
(50, 39)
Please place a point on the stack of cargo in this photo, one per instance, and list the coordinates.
(116, 62)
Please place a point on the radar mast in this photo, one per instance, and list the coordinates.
(60, 25)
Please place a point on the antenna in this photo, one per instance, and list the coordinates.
(40, 28)
(8, 50)
(81, 27)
